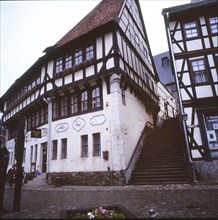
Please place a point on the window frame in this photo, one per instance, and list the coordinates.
(213, 24)
(54, 149)
(59, 65)
(191, 29)
(195, 72)
(89, 52)
(96, 138)
(84, 145)
(78, 56)
(64, 148)
(96, 97)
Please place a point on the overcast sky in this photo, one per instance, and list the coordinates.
(28, 27)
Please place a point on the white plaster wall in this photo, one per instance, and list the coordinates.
(203, 91)
(194, 45)
(135, 117)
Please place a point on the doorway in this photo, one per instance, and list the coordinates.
(44, 157)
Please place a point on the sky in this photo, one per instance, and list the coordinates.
(28, 27)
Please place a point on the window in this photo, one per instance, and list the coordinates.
(63, 148)
(96, 102)
(55, 109)
(199, 72)
(191, 29)
(84, 101)
(54, 149)
(36, 152)
(89, 52)
(37, 118)
(84, 140)
(78, 56)
(96, 144)
(213, 25)
(44, 115)
(74, 104)
(59, 65)
(63, 104)
(165, 61)
(68, 61)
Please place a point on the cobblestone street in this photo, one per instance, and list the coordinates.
(168, 201)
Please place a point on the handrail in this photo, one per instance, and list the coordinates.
(136, 151)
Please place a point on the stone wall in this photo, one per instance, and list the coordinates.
(207, 171)
(88, 178)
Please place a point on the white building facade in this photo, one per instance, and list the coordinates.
(92, 95)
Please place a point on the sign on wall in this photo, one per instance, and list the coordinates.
(36, 133)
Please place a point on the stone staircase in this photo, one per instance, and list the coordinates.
(162, 159)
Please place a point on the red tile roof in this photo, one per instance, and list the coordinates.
(104, 12)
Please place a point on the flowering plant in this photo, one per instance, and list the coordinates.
(99, 213)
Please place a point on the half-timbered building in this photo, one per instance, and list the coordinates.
(92, 95)
(192, 32)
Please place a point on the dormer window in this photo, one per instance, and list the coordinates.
(165, 61)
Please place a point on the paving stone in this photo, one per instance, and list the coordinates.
(168, 201)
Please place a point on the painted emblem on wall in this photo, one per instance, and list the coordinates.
(78, 124)
(61, 127)
(97, 120)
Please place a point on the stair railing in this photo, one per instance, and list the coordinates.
(131, 164)
(189, 162)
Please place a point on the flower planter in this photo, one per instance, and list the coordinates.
(81, 212)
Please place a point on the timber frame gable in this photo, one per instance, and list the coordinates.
(192, 35)
(118, 45)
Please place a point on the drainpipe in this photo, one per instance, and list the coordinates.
(183, 114)
(48, 100)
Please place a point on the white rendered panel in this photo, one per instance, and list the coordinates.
(78, 75)
(194, 45)
(203, 91)
(196, 154)
(99, 47)
(90, 71)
